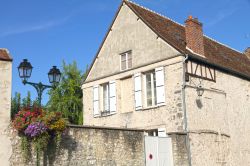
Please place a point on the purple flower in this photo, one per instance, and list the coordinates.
(35, 129)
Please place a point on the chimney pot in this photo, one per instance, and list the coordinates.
(194, 35)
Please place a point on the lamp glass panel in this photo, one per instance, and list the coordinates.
(54, 78)
(50, 78)
(28, 72)
(21, 72)
(58, 76)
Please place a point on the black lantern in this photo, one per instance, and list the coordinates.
(25, 70)
(54, 75)
(200, 90)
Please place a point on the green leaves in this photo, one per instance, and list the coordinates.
(67, 96)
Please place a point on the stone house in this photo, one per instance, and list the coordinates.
(5, 104)
(155, 74)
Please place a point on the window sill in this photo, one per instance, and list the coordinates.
(105, 114)
(125, 69)
(151, 107)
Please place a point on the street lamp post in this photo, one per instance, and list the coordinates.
(25, 70)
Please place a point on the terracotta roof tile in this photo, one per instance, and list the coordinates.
(4, 55)
(174, 34)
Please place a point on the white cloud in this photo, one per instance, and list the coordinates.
(220, 16)
(34, 27)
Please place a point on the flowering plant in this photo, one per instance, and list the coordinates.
(26, 116)
(35, 129)
(39, 127)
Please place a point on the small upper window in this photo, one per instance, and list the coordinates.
(126, 60)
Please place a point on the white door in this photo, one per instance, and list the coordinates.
(158, 151)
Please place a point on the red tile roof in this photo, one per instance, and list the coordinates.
(4, 55)
(174, 34)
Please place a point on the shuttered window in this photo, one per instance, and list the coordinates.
(154, 87)
(107, 98)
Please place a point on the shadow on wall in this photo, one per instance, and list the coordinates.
(68, 144)
(199, 103)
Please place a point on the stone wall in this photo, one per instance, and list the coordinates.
(210, 149)
(92, 146)
(148, 52)
(5, 104)
(169, 116)
(179, 149)
(219, 121)
(129, 33)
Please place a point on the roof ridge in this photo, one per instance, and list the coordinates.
(154, 12)
(222, 44)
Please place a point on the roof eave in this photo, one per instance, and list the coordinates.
(8, 60)
(104, 39)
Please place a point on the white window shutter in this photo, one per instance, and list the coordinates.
(160, 90)
(96, 100)
(112, 96)
(138, 91)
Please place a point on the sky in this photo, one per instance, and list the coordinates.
(47, 32)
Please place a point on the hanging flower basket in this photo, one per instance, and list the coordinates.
(37, 128)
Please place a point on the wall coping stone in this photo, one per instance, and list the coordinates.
(106, 128)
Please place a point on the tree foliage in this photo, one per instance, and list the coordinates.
(17, 102)
(67, 96)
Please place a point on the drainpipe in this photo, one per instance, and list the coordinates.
(184, 110)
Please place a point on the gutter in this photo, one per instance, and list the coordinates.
(185, 110)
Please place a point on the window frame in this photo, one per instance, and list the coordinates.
(152, 87)
(127, 53)
(104, 96)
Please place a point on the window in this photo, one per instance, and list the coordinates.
(151, 97)
(105, 97)
(126, 60)
(153, 91)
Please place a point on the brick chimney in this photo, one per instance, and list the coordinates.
(194, 35)
(247, 52)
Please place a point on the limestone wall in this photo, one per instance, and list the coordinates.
(219, 121)
(93, 147)
(129, 33)
(179, 148)
(148, 52)
(5, 104)
(169, 116)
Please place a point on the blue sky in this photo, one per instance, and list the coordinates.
(47, 32)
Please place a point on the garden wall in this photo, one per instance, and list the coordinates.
(84, 145)
(5, 104)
